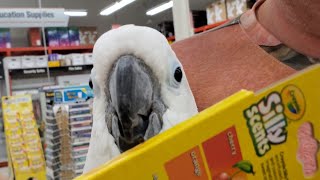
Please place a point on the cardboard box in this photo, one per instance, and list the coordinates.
(5, 39)
(34, 37)
(88, 59)
(52, 37)
(74, 36)
(63, 36)
(216, 12)
(236, 7)
(88, 35)
(77, 59)
(28, 61)
(41, 61)
(13, 62)
(271, 134)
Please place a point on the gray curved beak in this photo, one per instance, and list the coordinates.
(135, 101)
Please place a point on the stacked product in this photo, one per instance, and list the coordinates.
(68, 131)
(23, 141)
(52, 139)
(71, 36)
(80, 120)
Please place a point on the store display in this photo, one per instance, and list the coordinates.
(5, 38)
(22, 137)
(217, 12)
(35, 37)
(88, 35)
(269, 135)
(137, 99)
(68, 129)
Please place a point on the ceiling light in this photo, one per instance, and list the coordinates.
(78, 12)
(160, 8)
(115, 7)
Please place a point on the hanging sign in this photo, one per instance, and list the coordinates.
(33, 17)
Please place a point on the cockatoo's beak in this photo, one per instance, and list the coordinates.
(134, 102)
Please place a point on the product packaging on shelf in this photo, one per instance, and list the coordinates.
(41, 61)
(28, 61)
(63, 36)
(271, 134)
(5, 39)
(217, 12)
(12, 62)
(22, 136)
(88, 35)
(88, 59)
(77, 59)
(52, 37)
(34, 35)
(236, 7)
(74, 36)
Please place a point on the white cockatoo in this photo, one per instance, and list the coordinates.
(140, 90)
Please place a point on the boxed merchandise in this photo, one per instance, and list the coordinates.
(24, 148)
(74, 37)
(77, 59)
(52, 37)
(41, 61)
(63, 36)
(5, 39)
(271, 134)
(88, 35)
(236, 7)
(88, 59)
(217, 12)
(13, 62)
(27, 61)
(34, 37)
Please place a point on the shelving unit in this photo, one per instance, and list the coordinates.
(50, 50)
(23, 73)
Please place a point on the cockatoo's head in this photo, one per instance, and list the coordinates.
(139, 85)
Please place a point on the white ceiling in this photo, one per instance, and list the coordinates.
(131, 14)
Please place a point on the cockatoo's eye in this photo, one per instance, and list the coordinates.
(90, 83)
(178, 74)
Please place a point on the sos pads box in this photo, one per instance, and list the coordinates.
(270, 134)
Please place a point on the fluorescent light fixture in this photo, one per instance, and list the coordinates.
(160, 8)
(115, 7)
(76, 12)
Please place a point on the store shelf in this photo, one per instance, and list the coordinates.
(202, 29)
(35, 50)
(65, 70)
